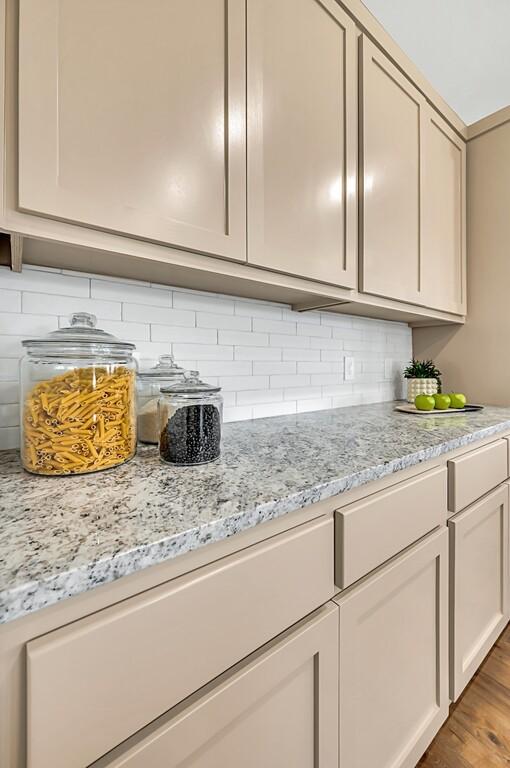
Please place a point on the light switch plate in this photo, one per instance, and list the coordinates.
(348, 369)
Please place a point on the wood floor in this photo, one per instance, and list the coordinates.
(477, 733)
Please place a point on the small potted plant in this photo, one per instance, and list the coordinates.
(422, 378)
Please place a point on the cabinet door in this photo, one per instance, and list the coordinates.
(132, 115)
(302, 144)
(479, 584)
(394, 659)
(443, 222)
(278, 709)
(390, 116)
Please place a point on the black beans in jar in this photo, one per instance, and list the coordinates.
(192, 435)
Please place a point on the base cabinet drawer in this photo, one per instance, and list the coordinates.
(476, 473)
(479, 604)
(279, 709)
(96, 682)
(394, 659)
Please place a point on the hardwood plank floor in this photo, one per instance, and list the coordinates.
(477, 732)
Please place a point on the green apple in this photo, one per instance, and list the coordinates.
(457, 400)
(424, 402)
(441, 402)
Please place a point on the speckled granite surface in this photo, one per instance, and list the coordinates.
(62, 536)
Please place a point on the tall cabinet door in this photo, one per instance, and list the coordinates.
(394, 659)
(443, 221)
(390, 117)
(279, 709)
(479, 584)
(302, 143)
(132, 118)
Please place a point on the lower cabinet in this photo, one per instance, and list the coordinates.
(479, 604)
(393, 659)
(278, 708)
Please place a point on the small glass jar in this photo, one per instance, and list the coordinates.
(149, 383)
(190, 418)
(77, 400)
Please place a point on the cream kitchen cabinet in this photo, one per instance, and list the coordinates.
(278, 708)
(302, 139)
(132, 118)
(393, 648)
(412, 228)
(479, 584)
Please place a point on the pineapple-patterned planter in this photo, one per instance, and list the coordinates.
(420, 387)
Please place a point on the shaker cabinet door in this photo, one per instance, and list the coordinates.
(279, 709)
(479, 584)
(390, 115)
(443, 222)
(132, 118)
(302, 139)
(394, 659)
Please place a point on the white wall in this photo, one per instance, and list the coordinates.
(267, 359)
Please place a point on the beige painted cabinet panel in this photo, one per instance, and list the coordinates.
(479, 584)
(394, 659)
(443, 221)
(302, 142)
(277, 710)
(390, 116)
(132, 118)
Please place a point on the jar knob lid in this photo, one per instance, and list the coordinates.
(82, 320)
(166, 361)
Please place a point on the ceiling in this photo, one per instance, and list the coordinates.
(461, 46)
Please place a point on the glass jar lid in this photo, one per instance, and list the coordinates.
(165, 368)
(82, 335)
(190, 386)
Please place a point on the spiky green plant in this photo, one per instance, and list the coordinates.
(423, 369)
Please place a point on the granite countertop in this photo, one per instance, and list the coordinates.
(62, 536)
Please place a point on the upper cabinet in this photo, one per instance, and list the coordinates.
(132, 118)
(412, 225)
(302, 143)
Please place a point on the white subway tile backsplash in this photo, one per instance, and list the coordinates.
(268, 359)
(10, 301)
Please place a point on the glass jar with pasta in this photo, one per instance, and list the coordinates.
(78, 401)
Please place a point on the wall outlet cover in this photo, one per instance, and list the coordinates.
(349, 369)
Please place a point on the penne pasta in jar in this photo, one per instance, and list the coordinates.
(78, 401)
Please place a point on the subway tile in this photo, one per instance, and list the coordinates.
(11, 346)
(335, 320)
(243, 338)
(9, 415)
(285, 381)
(256, 309)
(319, 404)
(44, 304)
(338, 389)
(9, 368)
(141, 313)
(202, 352)
(288, 342)
(258, 353)
(184, 335)
(129, 292)
(253, 397)
(9, 438)
(126, 331)
(274, 367)
(306, 329)
(9, 392)
(326, 378)
(309, 318)
(10, 301)
(273, 409)
(224, 367)
(330, 355)
(240, 383)
(203, 303)
(315, 367)
(15, 324)
(274, 326)
(302, 393)
(301, 354)
(150, 351)
(323, 343)
(237, 413)
(44, 282)
(223, 322)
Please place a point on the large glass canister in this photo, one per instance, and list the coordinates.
(78, 410)
(164, 374)
(190, 420)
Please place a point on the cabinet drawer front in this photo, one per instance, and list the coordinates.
(369, 532)
(94, 683)
(278, 708)
(476, 473)
(479, 584)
